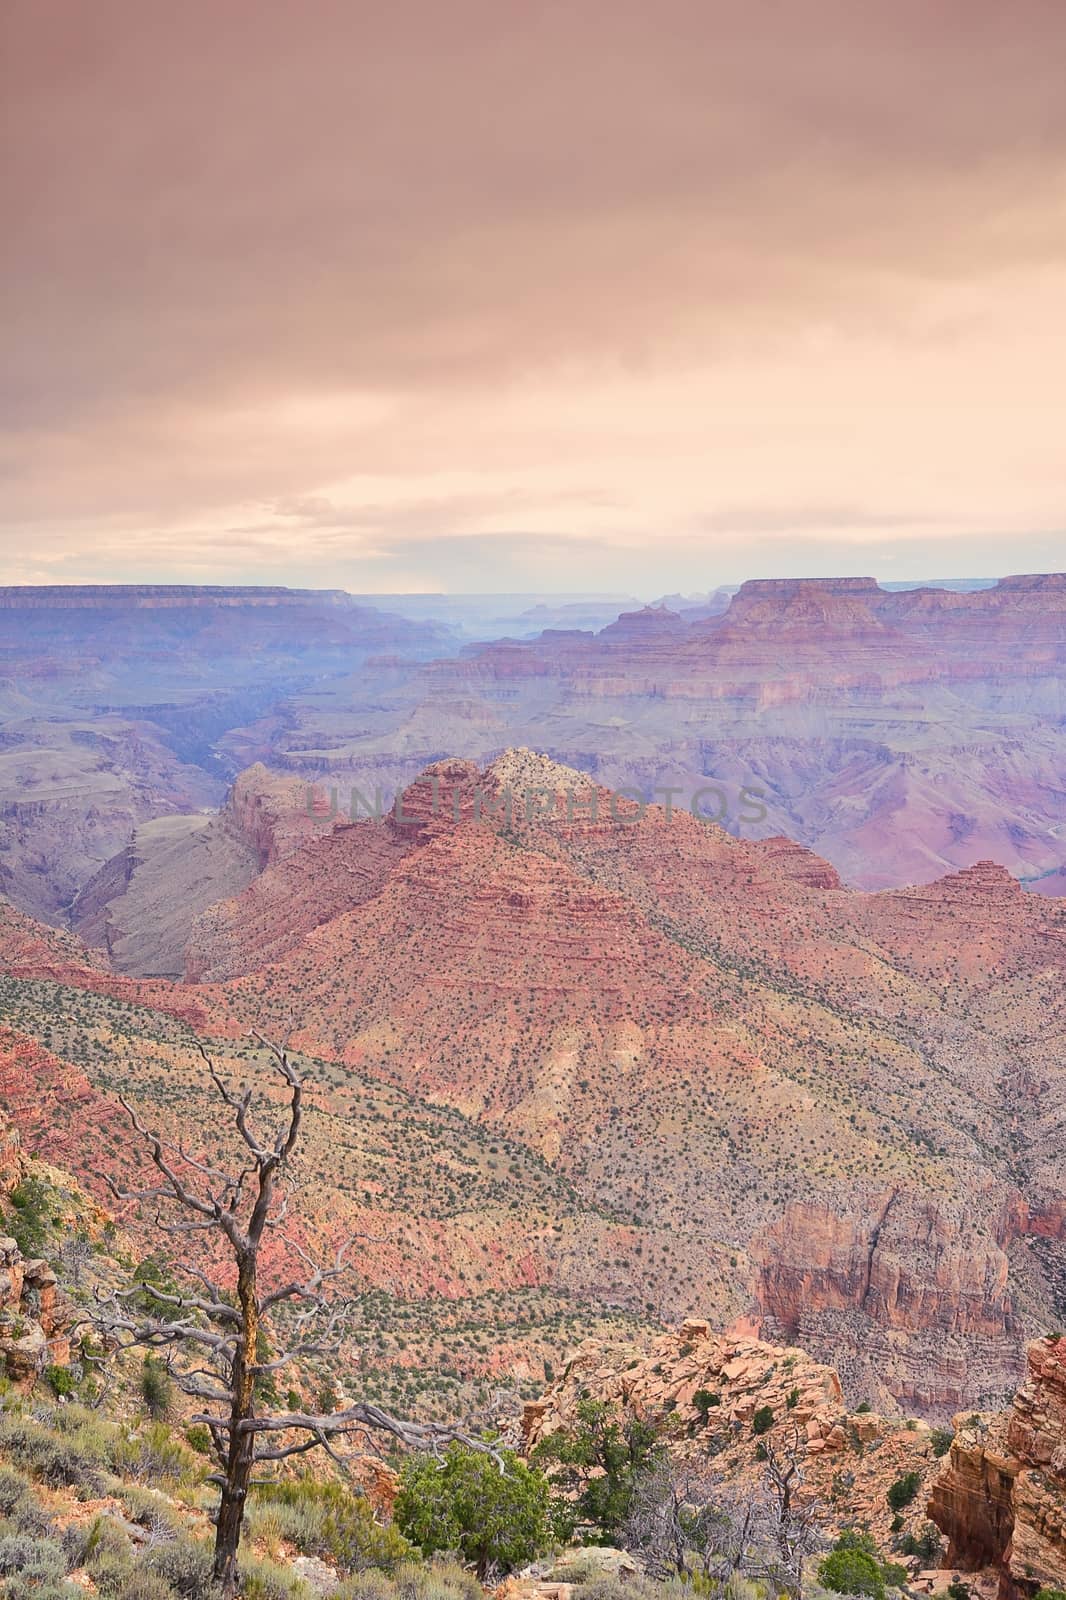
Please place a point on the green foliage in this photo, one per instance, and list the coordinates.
(54, 1461)
(903, 1491)
(495, 1519)
(31, 1225)
(957, 1590)
(1050, 1594)
(326, 1519)
(763, 1420)
(852, 1571)
(600, 1464)
(185, 1565)
(156, 1387)
(434, 1580)
(941, 1441)
(925, 1545)
(705, 1400)
(60, 1380)
(198, 1438)
(143, 1585)
(155, 1452)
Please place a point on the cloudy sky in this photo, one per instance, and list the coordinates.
(505, 294)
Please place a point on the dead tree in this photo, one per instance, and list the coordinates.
(215, 1333)
(796, 1521)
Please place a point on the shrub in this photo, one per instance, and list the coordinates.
(763, 1420)
(30, 1559)
(55, 1461)
(263, 1580)
(60, 1380)
(926, 1546)
(148, 1510)
(31, 1225)
(852, 1571)
(156, 1387)
(185, 1566)
(326, 1519)
(12, 1487)
(705, 1401)
(496, 1519)
(600, 1464)
(1050, 1594)
(144, 1585)
(155, 1451)
(368, 1585)
(941, 1440)
(902, 1492)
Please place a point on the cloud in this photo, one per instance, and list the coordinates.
(427, 273)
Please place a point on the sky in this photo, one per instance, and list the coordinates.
(470, 296)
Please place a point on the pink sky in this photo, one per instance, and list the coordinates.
(506, 295)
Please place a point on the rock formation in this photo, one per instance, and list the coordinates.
(703, 1390)
(1001, 1500)
(33, 1317)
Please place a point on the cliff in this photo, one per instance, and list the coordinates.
(1001, 1499)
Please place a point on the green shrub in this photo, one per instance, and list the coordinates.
(12, 1487)
(322, 1518)
(55, 1461)
(144, 1585)
(495, 1519)
(903, 1491)
(185, 1566)
(705, 1400)
(31, 1225)
(148, 1509)
(60, 1380)
(154, 1452)
(599, 1465)
(763, 1420)
(941, 1440)
(156, 1387)
(852, 1571)
(265, 1580)
(1050, 1594)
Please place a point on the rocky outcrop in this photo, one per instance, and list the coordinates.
(1001, 1499)
(33, 1317)
(704, 1391)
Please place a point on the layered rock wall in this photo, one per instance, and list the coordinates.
(1001, 1499)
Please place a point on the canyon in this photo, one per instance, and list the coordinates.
(899, 732)
(719, 1079)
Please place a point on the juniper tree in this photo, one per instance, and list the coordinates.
(217, 1335)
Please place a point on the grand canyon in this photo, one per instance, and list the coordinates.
(532, 801)
(584, 1060)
